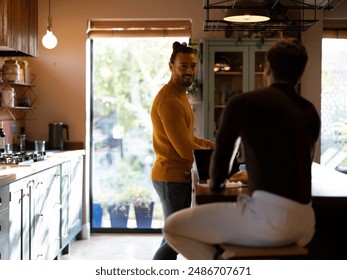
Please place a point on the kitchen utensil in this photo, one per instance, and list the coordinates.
(40, 146)
(56, 138)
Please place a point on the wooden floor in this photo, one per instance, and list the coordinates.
(115, 247)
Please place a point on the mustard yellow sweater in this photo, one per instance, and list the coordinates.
(173, 136)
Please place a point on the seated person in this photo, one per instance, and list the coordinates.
(279, 130)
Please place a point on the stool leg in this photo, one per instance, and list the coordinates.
(218, 253)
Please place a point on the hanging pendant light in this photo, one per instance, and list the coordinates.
(49, 41)
(247, 11)
(247, 18)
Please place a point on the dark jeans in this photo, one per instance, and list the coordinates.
(173, 197)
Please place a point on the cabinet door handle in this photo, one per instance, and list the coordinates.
(30, 182)
(0, 200)
(23, 196)
(40, 215)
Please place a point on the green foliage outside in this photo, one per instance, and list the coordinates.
(127, 75)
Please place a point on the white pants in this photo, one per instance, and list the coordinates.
(261, 220)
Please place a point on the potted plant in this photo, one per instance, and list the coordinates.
(143, 206)
(97, 214)
(98, 209)
(119, 211)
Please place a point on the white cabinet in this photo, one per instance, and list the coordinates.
(71, 198)
(45, 215)
(4, 223)
(42, 213)
(34, 215)
(65, 202)
(19, 217)
(76, 195)
(230, 67)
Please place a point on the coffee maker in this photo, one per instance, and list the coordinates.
(56, 137)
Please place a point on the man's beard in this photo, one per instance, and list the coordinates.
(187, 83)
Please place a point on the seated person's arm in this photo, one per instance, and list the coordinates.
(241, 176)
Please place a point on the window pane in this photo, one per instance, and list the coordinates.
(334, 103)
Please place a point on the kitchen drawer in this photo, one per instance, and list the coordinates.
(4, 222)
(4, 198)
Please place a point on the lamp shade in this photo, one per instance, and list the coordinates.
(49, 41)
(247, 11)
(247, 17)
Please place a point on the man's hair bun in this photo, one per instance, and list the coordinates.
(176, 45)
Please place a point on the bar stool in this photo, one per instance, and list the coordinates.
(292, 252)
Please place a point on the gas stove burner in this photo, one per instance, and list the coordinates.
(22, 158)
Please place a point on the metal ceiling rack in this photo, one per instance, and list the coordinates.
(285, 15)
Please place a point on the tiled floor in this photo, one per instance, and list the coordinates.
(115, 247)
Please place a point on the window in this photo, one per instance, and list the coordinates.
(334, 96)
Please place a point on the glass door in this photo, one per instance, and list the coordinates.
(126, 79)
(230, 68)
(228, 81)
(256, 66)
(226, 69)
(334, 104)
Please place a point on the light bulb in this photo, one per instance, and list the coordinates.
(247, 17)
(49, 41)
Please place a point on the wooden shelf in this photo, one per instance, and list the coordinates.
(16, 107)
(219, 106)
(228, 73)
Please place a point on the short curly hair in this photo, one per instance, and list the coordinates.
(287, 58)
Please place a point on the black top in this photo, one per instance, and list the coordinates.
(278, 129)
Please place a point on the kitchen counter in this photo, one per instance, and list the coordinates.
(13, 172)
(327, 184)
(41, 204)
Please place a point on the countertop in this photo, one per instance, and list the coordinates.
(9, 173)
(328, 187)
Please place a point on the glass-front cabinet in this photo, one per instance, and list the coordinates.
(230, 67)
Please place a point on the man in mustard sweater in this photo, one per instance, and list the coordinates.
(173, 138)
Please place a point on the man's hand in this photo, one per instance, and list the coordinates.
(215, 187)
(241, 176)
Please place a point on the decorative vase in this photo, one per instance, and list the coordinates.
(119, 214)
(97, 215)
(144, 216)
